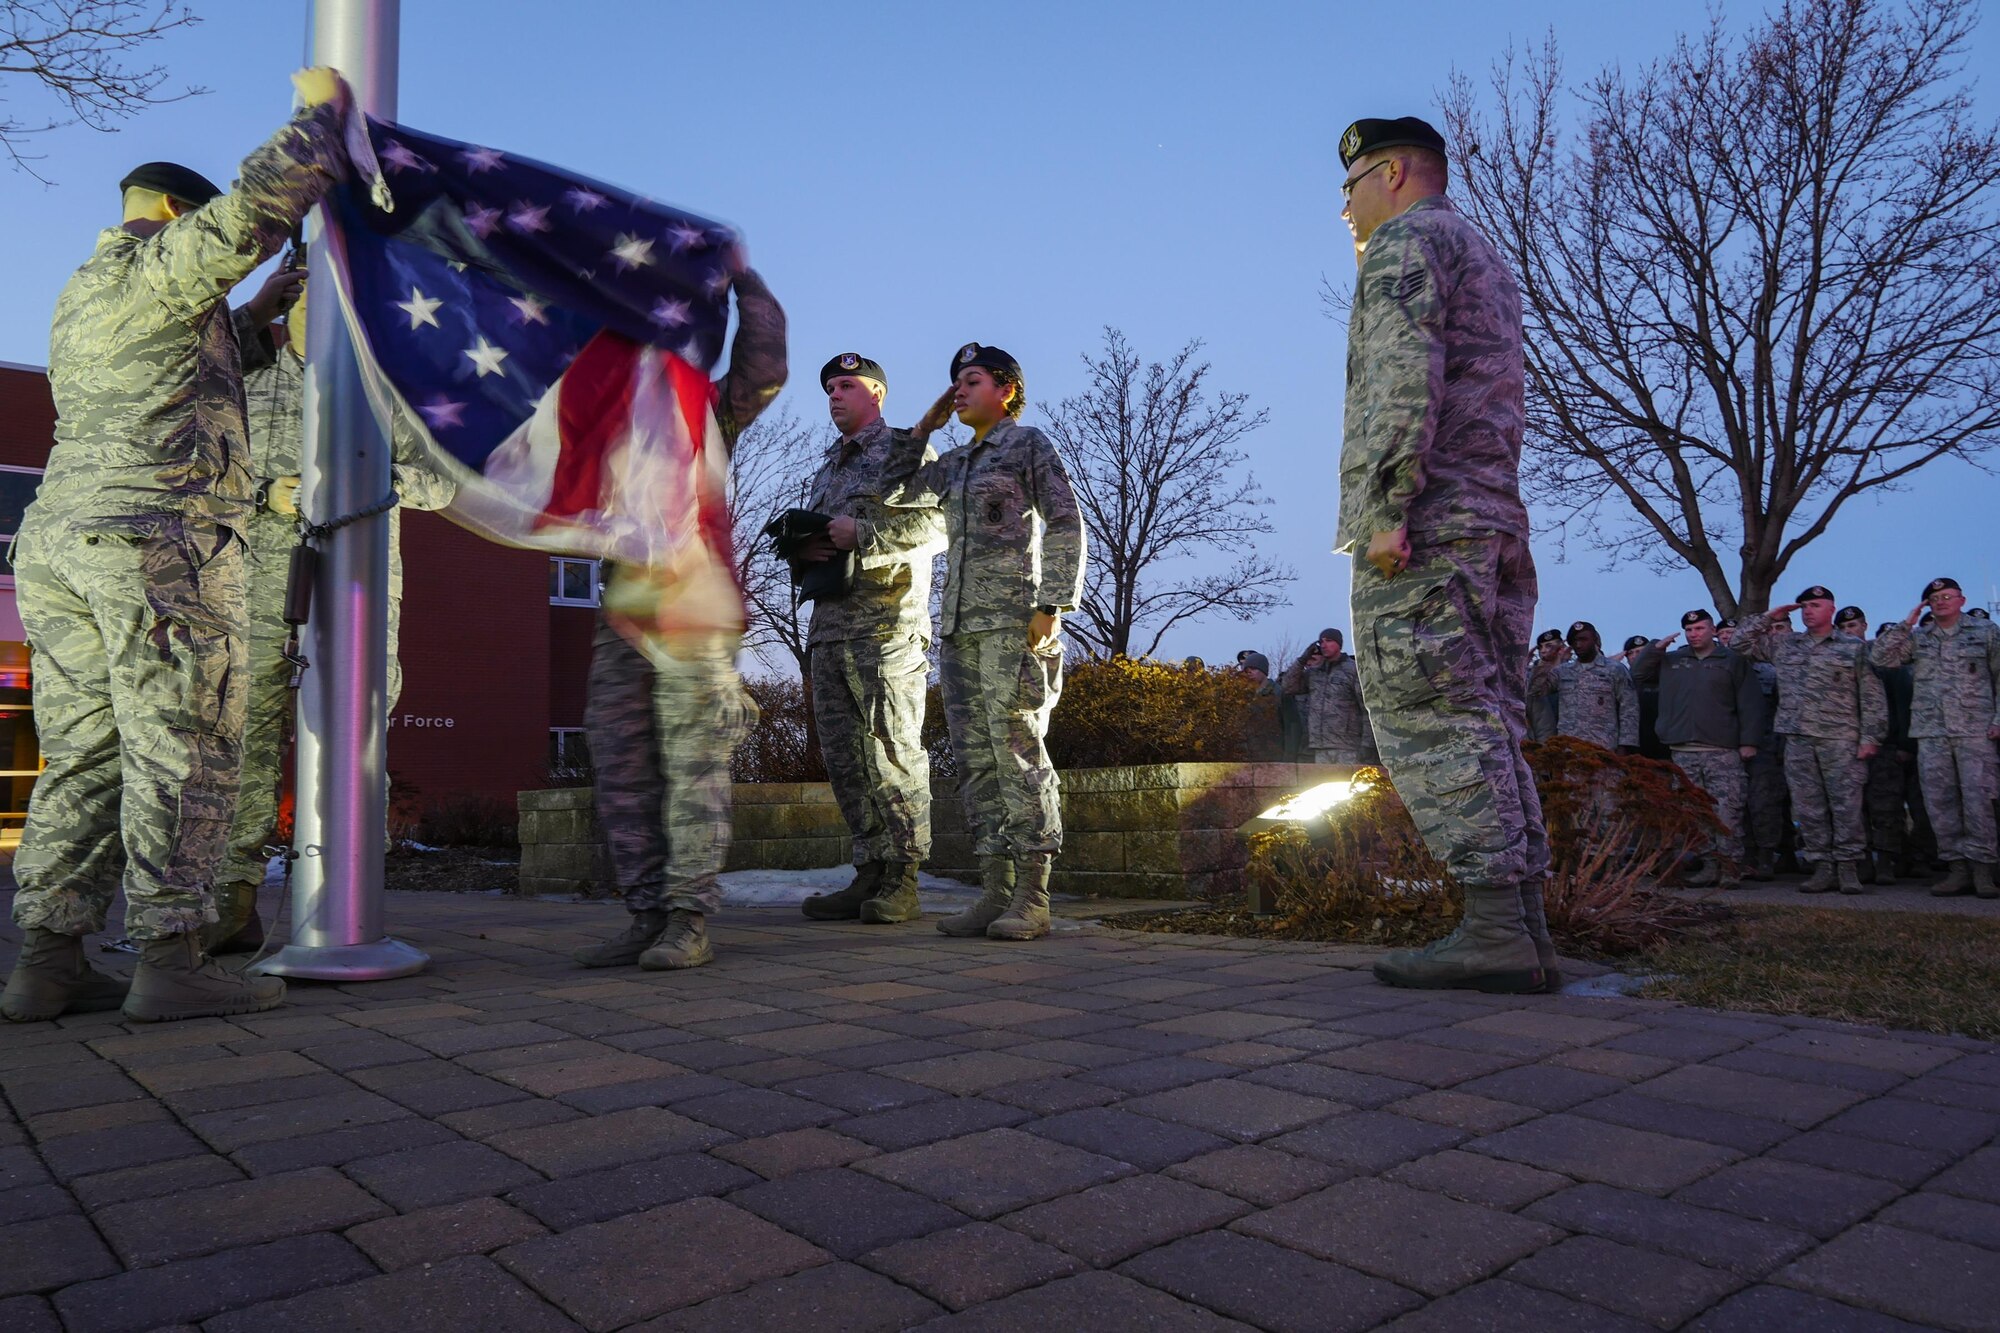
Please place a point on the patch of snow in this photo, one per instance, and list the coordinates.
(1609, 986)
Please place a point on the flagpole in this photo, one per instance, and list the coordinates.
(339, 819)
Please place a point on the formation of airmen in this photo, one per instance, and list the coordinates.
(145, 569)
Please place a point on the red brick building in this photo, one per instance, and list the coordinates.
(495, 643)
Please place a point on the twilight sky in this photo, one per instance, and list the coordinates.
(913, 176)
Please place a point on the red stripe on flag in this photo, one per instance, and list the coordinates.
(593, 412)
(694, 393)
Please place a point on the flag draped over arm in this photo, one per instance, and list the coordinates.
(550, 340)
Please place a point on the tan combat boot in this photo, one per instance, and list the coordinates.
(895, 899)
(1536, 919)
(51, 978)
(177, 980)
(1821, 880)
(1490, 951)
(1957, 881)
(684, 943)
(996, 884)
(623, 950)
(1982, 880)
(846, 904)
(1848, 875)
(1027, 917)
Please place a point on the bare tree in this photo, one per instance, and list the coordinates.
(1157, 475)
(769, 470)
(80, 51)
(1762, 280)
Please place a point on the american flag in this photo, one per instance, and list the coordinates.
(550, 338)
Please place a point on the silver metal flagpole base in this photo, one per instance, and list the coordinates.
(384, 959)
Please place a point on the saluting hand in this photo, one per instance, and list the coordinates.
(1910, 621)
(1669, 639)
(936, 416)
(1784, 610)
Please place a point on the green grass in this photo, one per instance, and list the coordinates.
(1921, 971)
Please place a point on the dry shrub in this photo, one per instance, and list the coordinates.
(783, 746)
(1362, 875)
(1120, 711)
(468, 820)
(1618, 825)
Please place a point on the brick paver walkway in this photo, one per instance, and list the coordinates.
(856, 1128)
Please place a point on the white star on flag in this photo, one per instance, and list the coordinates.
(486, 356)
(686, 237)
(399, 155)
(529, 218)
(583, 201)
(631, 252)
(481, 159)
(671, 313)
(532, 310)
(421, 309)
(442, 412)
(482, 220)
(718, 281)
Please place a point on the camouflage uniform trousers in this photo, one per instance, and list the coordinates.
(1898, 824)
(1826, 782)
(137, 632)
(1443, 650)
(271, 539)
(1768, 806)
(998, 694)
(662, 728)
(1960, 776)
(1725, 777)
(868, 701)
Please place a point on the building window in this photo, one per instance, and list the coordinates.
(572, 582)
(17, 488)
(569, 753)
(20, 747)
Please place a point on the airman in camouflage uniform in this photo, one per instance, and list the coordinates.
(1337, 729)
(274, 394)
(664, 721)
(1015, 563)
(1542, 716)
(1955, 718)
(1444, 586)
(867, 649)
(1596, 699)
(1834, 717)
(129, 572)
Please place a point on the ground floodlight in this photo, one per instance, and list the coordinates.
(1304, 808)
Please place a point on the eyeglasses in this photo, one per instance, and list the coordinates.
(1347, 186)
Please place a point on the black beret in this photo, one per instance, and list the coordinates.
(1979, 613)
(1727, 622)
(974, 354)
(1636, 641)
(1367, 135)
(1939, 585)
(1816, 593)
(1695, 617)
(1885, 627)
(173, 180)
(853, 363)
(1549, 636)
(1847, 613)
(1582, 624)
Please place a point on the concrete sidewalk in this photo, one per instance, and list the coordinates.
(846, 1127)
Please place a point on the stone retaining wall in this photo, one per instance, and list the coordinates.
(1154, 831)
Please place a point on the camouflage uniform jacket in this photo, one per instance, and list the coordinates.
(757, 365)
(1957, 690)
(1432, 434)
(274, 401)
(1825, 687)
(892, 581)
(1012, 527)
(143, 357)
(1336, 718)
(1596, 701)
